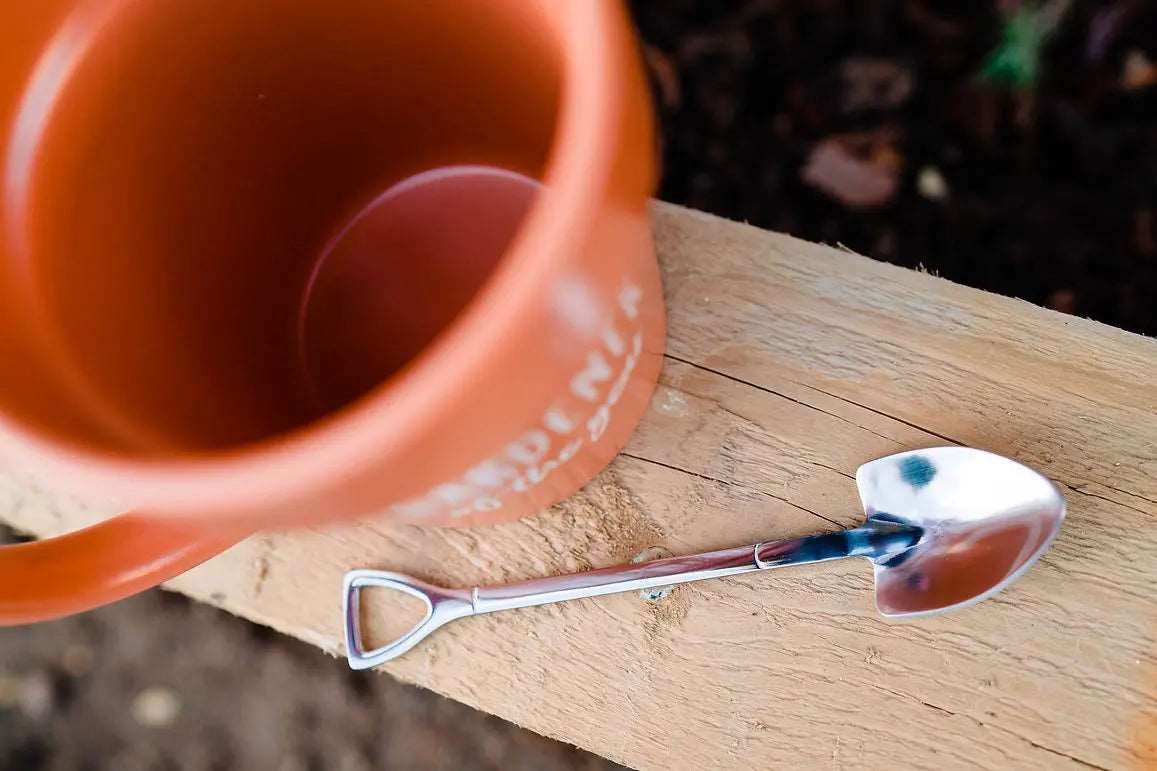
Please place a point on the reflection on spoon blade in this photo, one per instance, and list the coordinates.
(986, 520)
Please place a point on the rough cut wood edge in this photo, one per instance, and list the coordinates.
(789, 365)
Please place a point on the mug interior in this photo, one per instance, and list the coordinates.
(194, 167)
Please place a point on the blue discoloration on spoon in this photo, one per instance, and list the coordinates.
(917, 470)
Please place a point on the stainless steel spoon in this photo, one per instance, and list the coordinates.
(946, 527)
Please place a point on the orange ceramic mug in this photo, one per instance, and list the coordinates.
(174, 175)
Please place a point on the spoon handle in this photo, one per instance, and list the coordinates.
(619, 578)
(874, 540)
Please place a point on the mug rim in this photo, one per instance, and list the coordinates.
(399, 410)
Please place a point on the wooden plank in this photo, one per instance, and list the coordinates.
(789, 365)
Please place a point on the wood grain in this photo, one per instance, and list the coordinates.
(789, 365)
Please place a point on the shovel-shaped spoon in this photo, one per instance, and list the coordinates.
(946, 527)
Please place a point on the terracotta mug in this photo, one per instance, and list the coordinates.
(205, 319)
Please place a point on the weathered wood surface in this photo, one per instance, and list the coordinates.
(789, 365)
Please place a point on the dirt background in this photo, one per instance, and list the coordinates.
(881, 125)
(872, 123)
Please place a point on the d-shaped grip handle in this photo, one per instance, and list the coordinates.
(100, 564)
(442, 606)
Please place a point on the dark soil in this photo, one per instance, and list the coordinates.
(1050, 193)
(863, 123)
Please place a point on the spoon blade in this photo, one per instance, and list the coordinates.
(986, 520)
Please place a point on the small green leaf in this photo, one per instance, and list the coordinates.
(1015, 62)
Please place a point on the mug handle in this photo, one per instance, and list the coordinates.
(106, 562)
